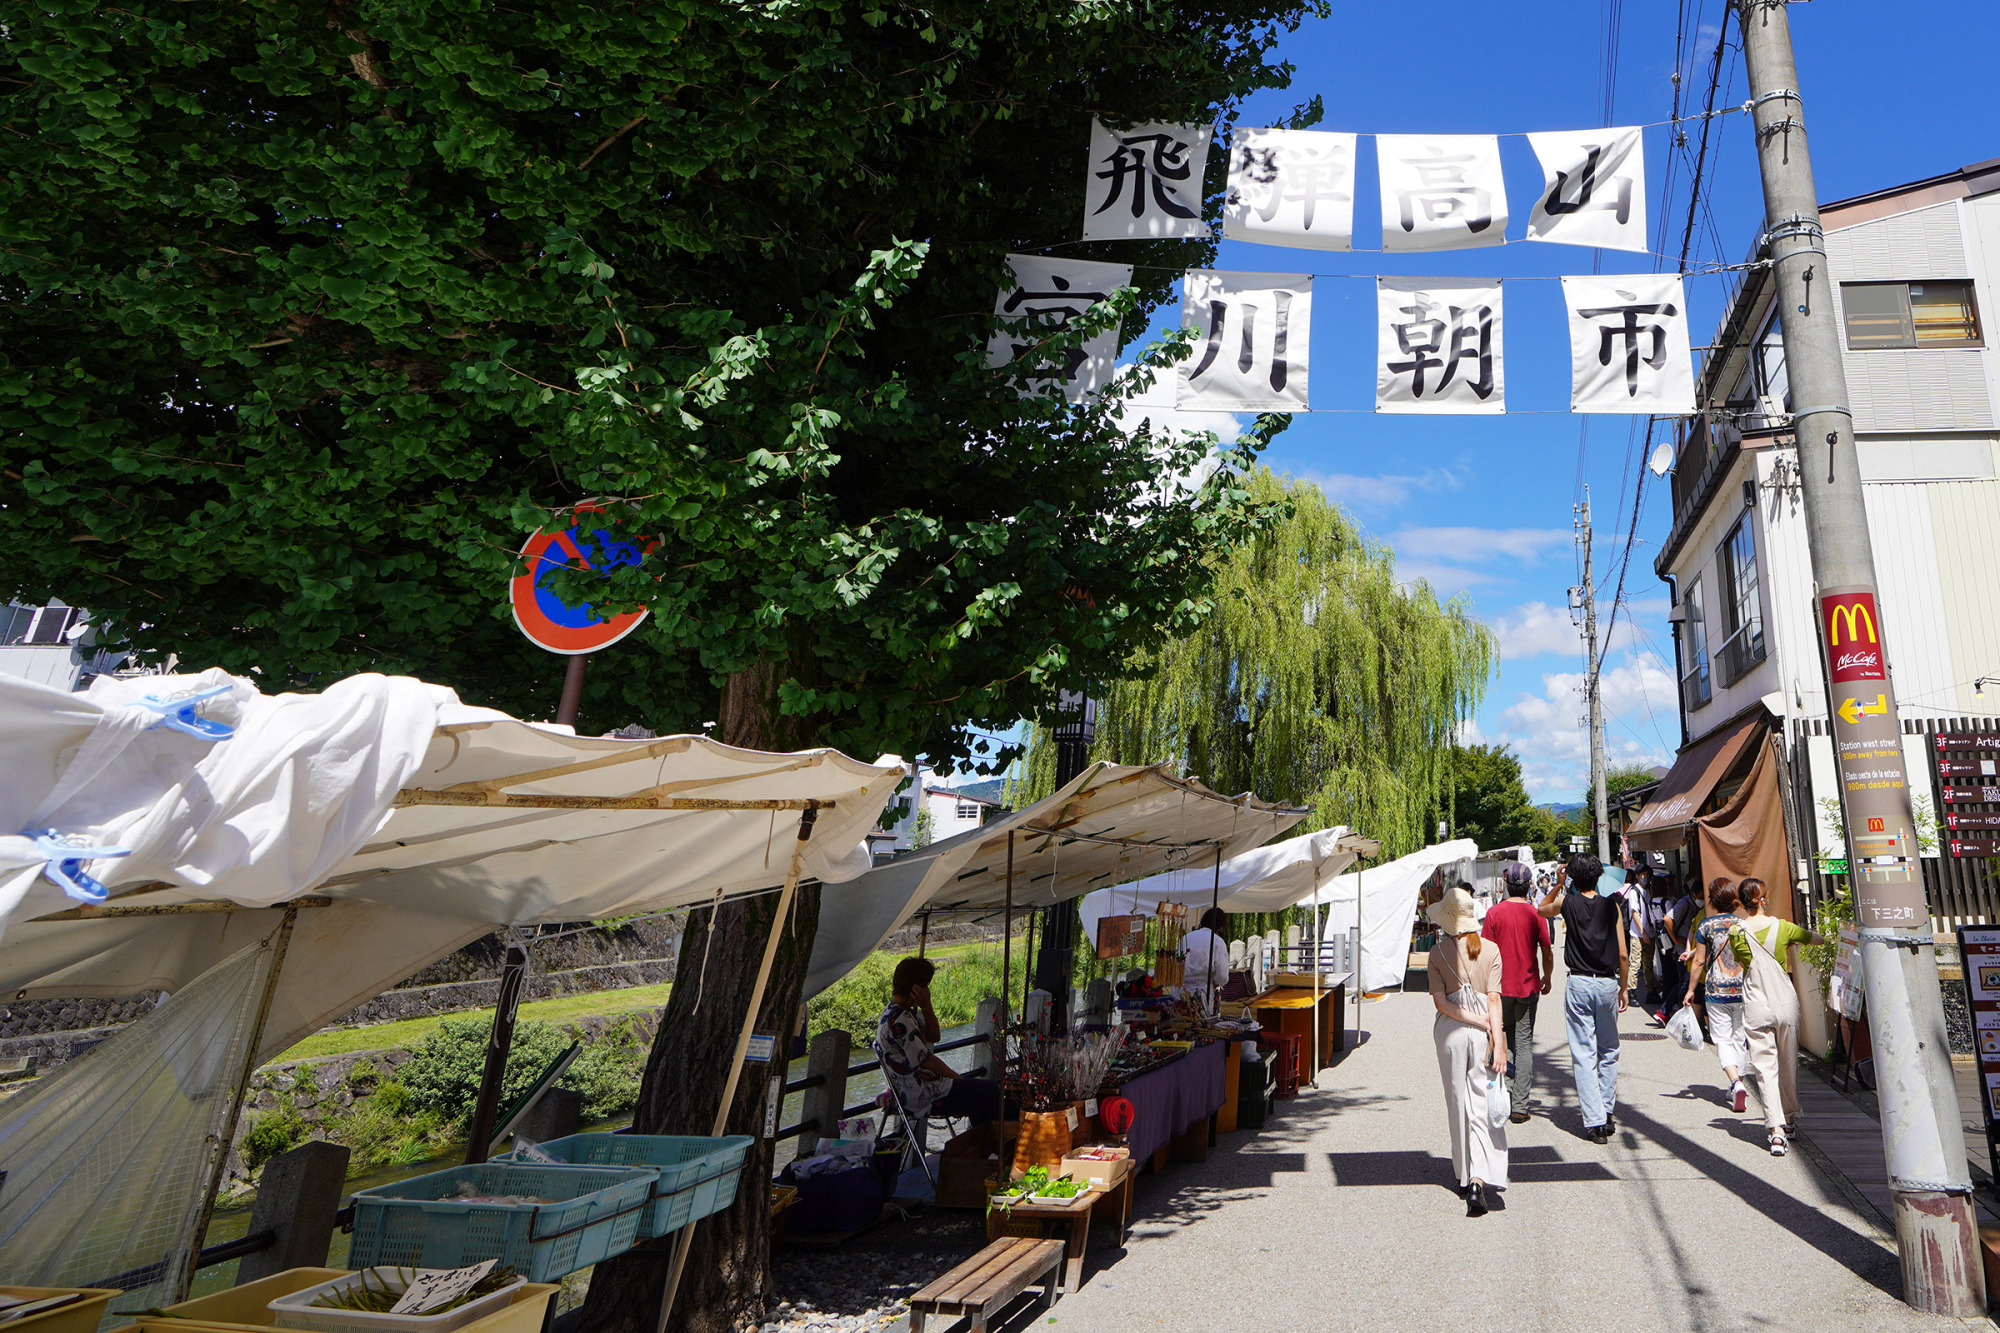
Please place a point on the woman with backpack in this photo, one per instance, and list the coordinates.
(1715, 975)
(1762, 944)
(1465, 987)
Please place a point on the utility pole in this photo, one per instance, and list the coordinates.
(1936, 1230)
(1584, 599)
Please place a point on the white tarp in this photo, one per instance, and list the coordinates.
(1441, 191)
(1291, 187)
(1438, 346)
(1628, 344)
(304, 799)
(1052, 292)
(1253, 346)
(1144, 181)
(1389, 908)
(1594, 189)
(1265, 879)
(1110, 824)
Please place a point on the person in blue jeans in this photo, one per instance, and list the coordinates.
(1599, 963)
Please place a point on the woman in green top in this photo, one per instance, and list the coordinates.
(1762, 944)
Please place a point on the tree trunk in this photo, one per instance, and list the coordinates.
(728, 1272)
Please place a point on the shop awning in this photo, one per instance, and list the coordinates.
(1663, 822)
(400, 823)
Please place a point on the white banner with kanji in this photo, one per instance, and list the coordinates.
(1252, 350)
(1441, 191)
(1051, 293)
(1438, 346)
(1628, 344)
(1144, 181)
(1593, 189)
(1291, 187)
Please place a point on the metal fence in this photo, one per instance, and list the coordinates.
(1958, 891)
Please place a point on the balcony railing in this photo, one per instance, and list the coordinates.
(1740, 653)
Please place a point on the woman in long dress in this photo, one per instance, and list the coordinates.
(1763, 944)
(1465, 987)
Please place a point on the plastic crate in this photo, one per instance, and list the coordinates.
(297, 1310)
(79, 1316)
(698, 1176)
(595, 1213)
(247, 1309)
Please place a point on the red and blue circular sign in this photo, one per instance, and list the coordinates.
(547, 620)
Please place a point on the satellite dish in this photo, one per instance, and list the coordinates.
(1662, 461)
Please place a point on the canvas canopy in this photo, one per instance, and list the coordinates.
(1111, 824)
(1663, 822)
(402, 823)
(1264, 879)
(1383, 901)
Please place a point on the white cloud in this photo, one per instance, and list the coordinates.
(1479, 545)
(1387, 490)
(1547, 730)
(1535, 628)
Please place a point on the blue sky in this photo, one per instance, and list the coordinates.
(1482, 506)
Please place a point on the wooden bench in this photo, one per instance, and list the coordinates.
(984, 1284)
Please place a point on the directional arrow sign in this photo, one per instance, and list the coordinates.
(1853, 710)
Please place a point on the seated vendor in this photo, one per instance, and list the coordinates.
(906, 1039)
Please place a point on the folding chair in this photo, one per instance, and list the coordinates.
(915, 1128)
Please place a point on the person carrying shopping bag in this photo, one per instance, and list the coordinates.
(1714, 973)
(1465, 987)
(1762, 943)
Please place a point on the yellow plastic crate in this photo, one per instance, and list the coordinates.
(246, 1309)
(76, 1317)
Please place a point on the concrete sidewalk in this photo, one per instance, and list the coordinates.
(1341, 1214)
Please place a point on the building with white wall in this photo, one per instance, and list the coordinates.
(50, 645)
(1914, 283)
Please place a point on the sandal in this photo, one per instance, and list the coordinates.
(1778, 1145)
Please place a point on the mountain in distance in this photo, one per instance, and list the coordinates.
(1564, 808)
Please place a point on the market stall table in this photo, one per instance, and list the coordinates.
(1169, 1099)
(1290, 1009)
(1076, 1216)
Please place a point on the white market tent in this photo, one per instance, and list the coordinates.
(1389, 908)
(328, 847)
(1111, 824)
(1264, 879)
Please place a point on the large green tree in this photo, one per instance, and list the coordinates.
(1490, 805)
(1322, 679)
(310, 312)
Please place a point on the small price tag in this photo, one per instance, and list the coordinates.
(762, 1045)
(1090, 1108)
(1073, 1121)
(439, 1286)
(530, 1151)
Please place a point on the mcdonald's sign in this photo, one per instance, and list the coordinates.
(1853, 633)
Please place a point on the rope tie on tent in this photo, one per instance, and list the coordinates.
(708, 945)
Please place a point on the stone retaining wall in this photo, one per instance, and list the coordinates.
(456, 997)
(25, 1018)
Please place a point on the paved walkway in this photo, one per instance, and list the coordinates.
(1341, 1214)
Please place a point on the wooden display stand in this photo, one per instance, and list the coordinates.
(1290, 1010)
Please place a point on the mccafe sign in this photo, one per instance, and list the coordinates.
(1853, 637)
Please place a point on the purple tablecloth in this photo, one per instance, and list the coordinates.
(1169, 1099)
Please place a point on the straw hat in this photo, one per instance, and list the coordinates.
(1453, 913)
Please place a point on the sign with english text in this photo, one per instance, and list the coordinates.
(1966, 740)
(1953, 821)
(1868, 754)
(1981, 795)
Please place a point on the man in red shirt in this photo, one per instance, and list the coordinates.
(1527, 964)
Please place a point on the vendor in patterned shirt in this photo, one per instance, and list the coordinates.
(906, 1038)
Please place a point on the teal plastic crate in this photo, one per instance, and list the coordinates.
(697, 1176)
(596, 1213)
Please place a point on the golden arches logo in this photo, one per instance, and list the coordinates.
(1853, 615)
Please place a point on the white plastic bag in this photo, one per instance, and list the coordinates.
(1685, 1028)
(1498, 1103)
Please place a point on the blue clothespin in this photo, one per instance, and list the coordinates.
(181, 713)
(67, 852)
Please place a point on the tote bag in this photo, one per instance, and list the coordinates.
(1768, 996)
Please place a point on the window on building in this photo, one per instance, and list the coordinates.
(1742, 619)
(36, 624)
(1909, 314)
(1772, 381)
(1695, 686)
(968, 809)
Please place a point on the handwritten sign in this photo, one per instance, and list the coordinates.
(433, 1287)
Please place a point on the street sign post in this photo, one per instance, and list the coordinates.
(1979, 953)
(1868, 750)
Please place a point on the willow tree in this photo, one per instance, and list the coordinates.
(1319, 678)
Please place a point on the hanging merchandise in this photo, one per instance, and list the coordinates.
(1438, 346)
(1253, 331)
(1051, 293)
(1628, 344)
(1441, 191)
(1144, 181)
(1291, 187)
(1594, 189)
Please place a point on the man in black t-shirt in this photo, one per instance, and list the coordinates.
(1596, 956)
